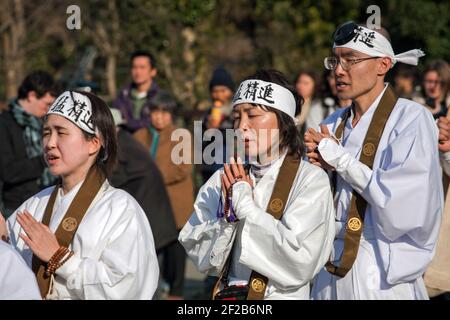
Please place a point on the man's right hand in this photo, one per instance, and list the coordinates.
(444, 134)
(312, 139)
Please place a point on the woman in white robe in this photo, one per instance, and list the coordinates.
(289, 251)
(113, 247)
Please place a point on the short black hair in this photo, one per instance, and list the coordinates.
(290, 135)
(405, 71)
(40, 82)
(143, 53)
(163, 100)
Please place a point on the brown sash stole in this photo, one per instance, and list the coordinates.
(72, 219)
(358, 205)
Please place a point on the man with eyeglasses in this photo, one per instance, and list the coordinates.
(382, 156)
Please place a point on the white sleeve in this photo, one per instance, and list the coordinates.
(17, 281)
(409, 170)
(127, 267)
(290, 251)
(207, 239)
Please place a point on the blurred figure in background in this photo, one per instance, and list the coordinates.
(306, 85)
(314, 109)
(178, 181)
(221, 88)
(133, 100)
(138, 174)
(404, 81)
(435, 85)
(22, 166)
(330, 98)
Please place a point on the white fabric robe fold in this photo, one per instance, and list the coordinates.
(289, 252)
(17, 281)
(405, 202)
(437, 276)
(114, 248)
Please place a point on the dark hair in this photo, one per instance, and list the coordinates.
(40, 82)
(142, 53)
(405, 71)
(163, 100)
(103, 121)
(290, 135)
(221, 77)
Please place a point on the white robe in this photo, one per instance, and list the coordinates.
(114, 248)
(17, 281)
(405, 201)
(289, 252)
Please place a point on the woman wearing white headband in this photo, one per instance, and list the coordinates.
(382, 153)
(263, 242)
(83, 238)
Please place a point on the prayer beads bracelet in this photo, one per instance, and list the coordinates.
(226, 210)
(57, 260)
(230, 214)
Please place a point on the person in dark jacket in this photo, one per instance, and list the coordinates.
(137, 173)
(22, 168)
(178, 181)
(133, 100)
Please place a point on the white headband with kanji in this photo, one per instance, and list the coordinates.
(75, 107)
(375, 44)
(264, 93)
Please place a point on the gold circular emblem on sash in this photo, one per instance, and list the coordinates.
(276, 205)
(258, 285)
(354, 224)
(69, 224)
(369, 149)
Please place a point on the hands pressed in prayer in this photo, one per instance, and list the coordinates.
(3, 229)
(444, 134)
(234, 172)
(312, 140)
(41, 240)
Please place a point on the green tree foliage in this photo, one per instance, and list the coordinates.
(192, 37)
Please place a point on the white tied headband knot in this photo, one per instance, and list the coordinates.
(374, 44)
(75, 107)
(265, 93)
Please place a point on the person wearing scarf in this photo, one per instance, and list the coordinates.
(22, 167)
(83, 238)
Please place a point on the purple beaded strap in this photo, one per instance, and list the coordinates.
(219, 213)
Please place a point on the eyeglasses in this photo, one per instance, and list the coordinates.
(432, 82)
(331, 63)
(344, 33)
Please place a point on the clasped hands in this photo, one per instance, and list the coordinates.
(312, 139)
